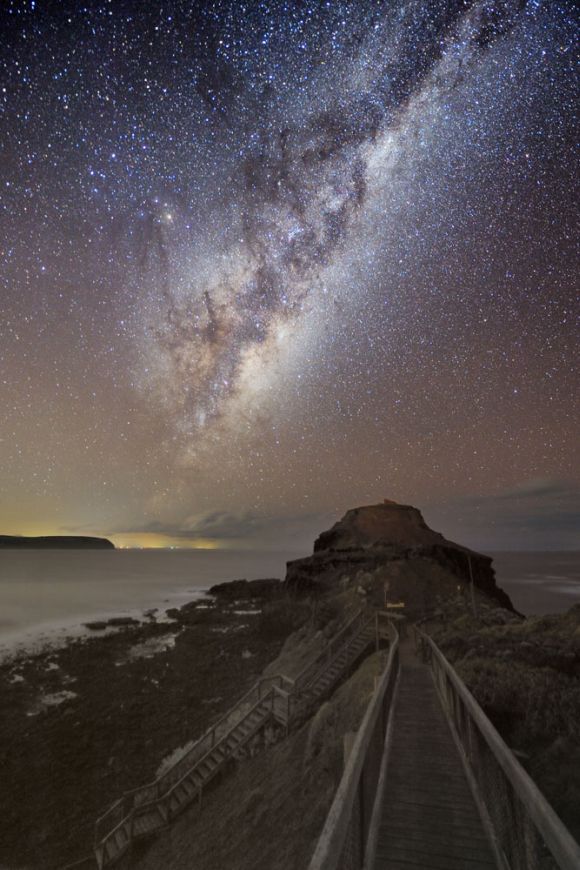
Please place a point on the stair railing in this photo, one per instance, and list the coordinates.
(165, 799)
(151, 791)
(140, 800)
(304, 693)
(309, 673)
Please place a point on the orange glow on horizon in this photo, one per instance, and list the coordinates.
(123, 540)
(151, 541)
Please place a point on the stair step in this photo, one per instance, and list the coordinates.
(189, 786)
(181, 793)
(121, 838)
(144, 824)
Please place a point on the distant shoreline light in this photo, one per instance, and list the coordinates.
(151, 541)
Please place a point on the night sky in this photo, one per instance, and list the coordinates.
(261, 262)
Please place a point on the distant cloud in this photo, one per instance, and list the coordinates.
(244, 529)
(541, 488)
(536, 514)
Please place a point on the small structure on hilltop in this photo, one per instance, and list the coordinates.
(390, 543)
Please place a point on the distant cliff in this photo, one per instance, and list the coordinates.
(54, 542)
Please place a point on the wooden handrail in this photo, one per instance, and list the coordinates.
(222, 739)
(556, 836)
(332, 839)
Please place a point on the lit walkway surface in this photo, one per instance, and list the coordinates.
(429, 818)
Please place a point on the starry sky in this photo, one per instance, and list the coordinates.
(261, 262)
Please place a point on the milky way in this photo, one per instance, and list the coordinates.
(270, 259)
(299, 182)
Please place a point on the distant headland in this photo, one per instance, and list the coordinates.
(54, 542)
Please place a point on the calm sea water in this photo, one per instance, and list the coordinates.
(542, 582)
(51, 593)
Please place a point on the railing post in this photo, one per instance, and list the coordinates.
(361, 803)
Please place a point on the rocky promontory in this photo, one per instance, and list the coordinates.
(55, 542)
(388, 551)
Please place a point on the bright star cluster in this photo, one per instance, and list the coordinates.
(263, 261)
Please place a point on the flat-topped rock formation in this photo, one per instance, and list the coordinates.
(55, 542)
(379, 525)
(388, 551)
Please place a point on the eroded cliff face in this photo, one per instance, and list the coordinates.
(388, 550)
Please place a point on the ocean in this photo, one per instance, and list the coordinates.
(539, 582)
(46, 596)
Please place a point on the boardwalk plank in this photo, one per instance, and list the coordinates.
(431, 834)
(434, 861)
(429, 818)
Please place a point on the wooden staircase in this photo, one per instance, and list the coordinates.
(332, 672)
(144, 811)
(147, 818)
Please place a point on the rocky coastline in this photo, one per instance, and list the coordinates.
(83, 723)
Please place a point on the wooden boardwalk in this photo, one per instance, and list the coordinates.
(429, 818)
